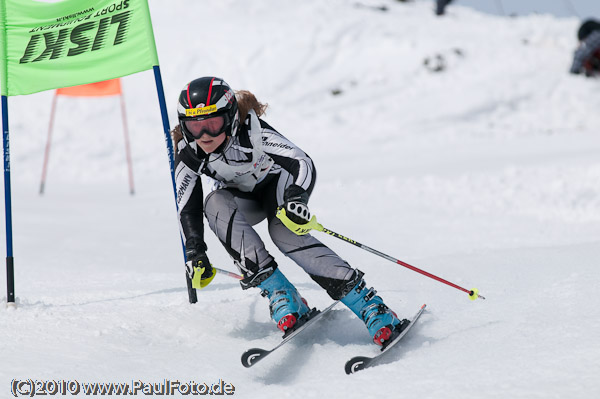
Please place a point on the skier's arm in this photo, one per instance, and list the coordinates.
(290, 157)
(190, 211)
(190, 204)
(294, 213)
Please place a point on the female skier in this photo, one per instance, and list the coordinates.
(254, 171)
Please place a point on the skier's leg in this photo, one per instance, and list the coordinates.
(285, 303)
(323, 265)
(228, 213)
(230, 225)
(379, 319)
(339, 279)
(335, 275)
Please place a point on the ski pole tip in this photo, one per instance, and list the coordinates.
(474, 294)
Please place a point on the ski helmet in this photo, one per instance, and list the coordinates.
(586, 28)
(206, 98)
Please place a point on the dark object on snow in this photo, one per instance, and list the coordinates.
(441, 6)
(439, 62)
(436, 63)
(587, 56)
(382, 8)
(586, 28)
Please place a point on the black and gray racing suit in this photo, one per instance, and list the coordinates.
(250, 174)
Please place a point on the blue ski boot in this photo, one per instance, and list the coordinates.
(285, 303)
(379, 319)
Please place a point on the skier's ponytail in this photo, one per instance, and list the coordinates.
(246, 101)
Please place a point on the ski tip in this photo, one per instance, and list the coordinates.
(356, 364)
(253, 356)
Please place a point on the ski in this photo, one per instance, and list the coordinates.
(358, 363)
(254, 355)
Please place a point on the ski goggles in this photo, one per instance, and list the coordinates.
(213, 127)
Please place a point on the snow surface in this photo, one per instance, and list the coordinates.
(486, 174)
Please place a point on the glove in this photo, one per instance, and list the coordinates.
(198, 266)
(200, 271)
(294, 213)
(295, 203)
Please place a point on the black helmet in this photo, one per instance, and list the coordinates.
(206, 98)
(586, 28)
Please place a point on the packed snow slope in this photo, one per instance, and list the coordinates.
(485, 173)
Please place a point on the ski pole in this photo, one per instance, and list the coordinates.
(201, 284)
(301, 229)
(473, 293)
(227, 273)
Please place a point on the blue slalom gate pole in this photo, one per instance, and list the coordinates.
(165, 119)
(10, 266)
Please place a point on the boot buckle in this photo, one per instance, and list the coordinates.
(382, 335)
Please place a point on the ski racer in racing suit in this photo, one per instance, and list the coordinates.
(254, 170)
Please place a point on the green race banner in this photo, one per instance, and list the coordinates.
(71, 42)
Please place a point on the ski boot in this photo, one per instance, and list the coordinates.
(285, 303)
(379, 319)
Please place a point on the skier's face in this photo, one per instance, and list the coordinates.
(210, 144)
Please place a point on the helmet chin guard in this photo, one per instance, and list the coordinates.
(206, 98)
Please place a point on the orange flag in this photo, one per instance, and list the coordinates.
(110, 87)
